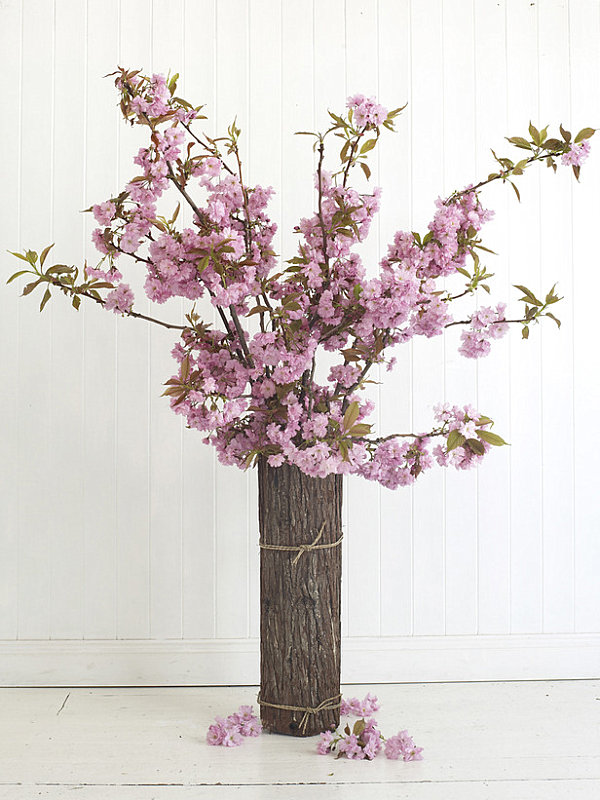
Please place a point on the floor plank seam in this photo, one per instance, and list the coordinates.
(399, 783)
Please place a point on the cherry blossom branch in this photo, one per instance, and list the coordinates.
(380, 439)
(351, 157)
(502, 175)
(210, 149)
(73, 291)
(495, 322)
(202, 217)
(246, 223)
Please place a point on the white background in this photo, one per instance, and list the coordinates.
(118, 531)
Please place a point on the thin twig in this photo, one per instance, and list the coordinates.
(320, 204)
(495, 322)
(100, 301)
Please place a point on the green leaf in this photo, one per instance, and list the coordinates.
(475, 446)
(344, 450)
(258, 310)
(368, 145)
(175, 214)
(396, 111)
(76, 302)
(525, 332)
(185, 368)
(565, 134)
(359, 727)
(202, 264)
(19, 255)
(548, 314)
(584, 133)
(361, 429)
(534, 133)
(351, 415)
(365, 169)
(455, 439)
(30, 287)
(491, 438)
(528, 294)
(58, 269)
(17, 275)
(45, 252)
(45, 298)
(519, 141)
(516, 191)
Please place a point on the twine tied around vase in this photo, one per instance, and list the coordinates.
(302, 548)
(327, 705)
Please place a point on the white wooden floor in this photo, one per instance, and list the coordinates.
(490, 741)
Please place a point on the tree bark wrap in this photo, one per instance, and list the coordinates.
(300, 603)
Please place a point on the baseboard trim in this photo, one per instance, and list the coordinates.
(413, 659)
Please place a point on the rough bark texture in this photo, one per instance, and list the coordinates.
(300, 604)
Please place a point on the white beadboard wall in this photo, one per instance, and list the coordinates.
(127, 555)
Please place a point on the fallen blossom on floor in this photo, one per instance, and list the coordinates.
(364, 740)
(230, 731)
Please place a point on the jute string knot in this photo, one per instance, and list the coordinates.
(326, 705)
(302, 548)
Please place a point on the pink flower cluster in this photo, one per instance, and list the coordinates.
(397, 463)
(577, 154)
(364, 743)
(230, 732)
(486, 323)
(367, 112)
(360, 708)
(120, 300)
(466, 421)
(364, 740)
(402, 746)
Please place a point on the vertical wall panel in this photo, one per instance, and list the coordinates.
(584, 25)
(525, 433)
(66, 409)
(10, 45)
(494, 378)
(99, 334)
(115, 520)
(557, 345)
(34, 481)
